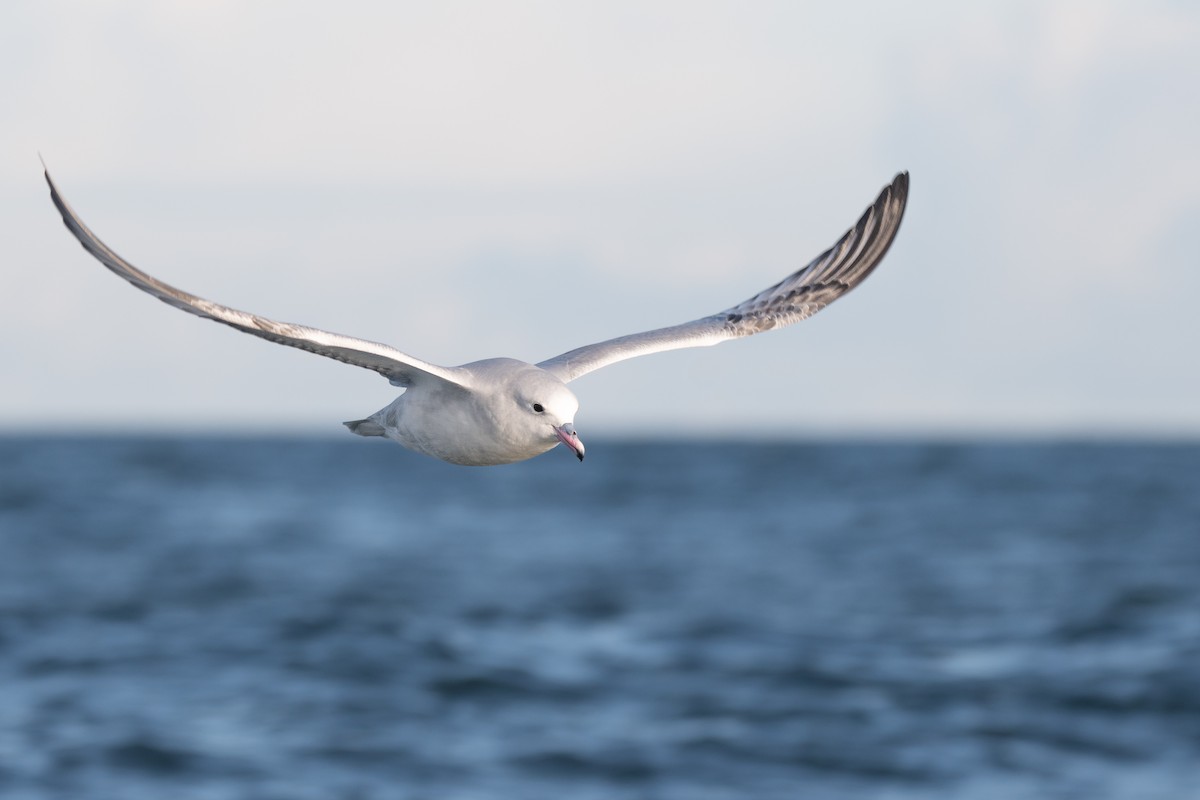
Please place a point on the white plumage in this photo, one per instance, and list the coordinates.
(502, 410)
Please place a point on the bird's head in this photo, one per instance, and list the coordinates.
(547, 409)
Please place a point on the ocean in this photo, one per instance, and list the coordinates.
(213, 618)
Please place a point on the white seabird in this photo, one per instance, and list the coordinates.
(502, 410)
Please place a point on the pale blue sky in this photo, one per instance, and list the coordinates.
(471, 179)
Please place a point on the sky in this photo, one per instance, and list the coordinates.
(465, 180)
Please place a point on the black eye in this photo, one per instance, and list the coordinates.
(538, 407)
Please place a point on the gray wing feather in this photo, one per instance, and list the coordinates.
(399, 368)
(798, 296)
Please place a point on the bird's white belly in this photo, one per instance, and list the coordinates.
(454, 432)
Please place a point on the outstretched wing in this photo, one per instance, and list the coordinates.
(399, 368)
(798, 296)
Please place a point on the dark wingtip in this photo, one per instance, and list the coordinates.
(68, 217)
(46, 175)
(59, 203)
(900, 185)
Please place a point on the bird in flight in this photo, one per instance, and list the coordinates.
(502, 410)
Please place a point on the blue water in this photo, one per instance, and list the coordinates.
(203, 618)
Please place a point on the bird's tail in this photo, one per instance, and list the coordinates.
(365, 427)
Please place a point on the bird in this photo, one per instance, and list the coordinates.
(503, 410)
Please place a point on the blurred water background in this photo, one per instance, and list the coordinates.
(294, 619)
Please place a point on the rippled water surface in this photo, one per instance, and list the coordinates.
(279, 619)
